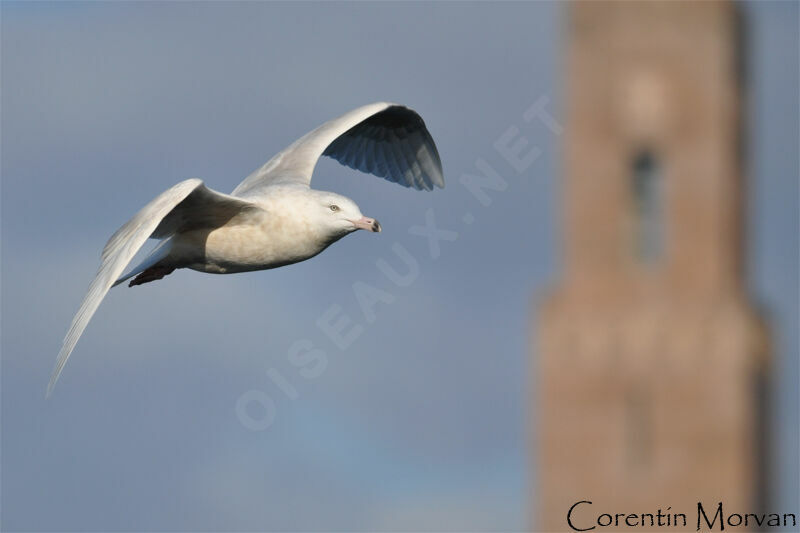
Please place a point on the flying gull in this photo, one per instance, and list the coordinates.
(271, 219)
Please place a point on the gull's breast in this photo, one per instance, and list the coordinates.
(263, 241)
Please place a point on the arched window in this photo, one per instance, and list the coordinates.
(647, 205)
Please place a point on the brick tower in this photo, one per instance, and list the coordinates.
(650, 359)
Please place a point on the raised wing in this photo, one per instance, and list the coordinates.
(187, 205)
(387, 140)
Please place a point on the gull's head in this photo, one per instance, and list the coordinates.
(342, 216)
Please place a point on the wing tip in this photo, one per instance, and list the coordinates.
(434, 179)
(61, 362)
(438, 179)
(51, 386)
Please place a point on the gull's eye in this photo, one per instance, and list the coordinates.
(334, 207)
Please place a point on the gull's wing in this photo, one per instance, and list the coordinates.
(387, 140)
(187, 205)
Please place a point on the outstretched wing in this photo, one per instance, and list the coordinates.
(387, 140)
(187, 205)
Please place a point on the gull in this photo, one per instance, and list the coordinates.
(271, 219)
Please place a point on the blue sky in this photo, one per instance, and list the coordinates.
(419, 424)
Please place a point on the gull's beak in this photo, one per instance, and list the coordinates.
(369, 224)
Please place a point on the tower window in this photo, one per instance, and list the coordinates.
(647, 206)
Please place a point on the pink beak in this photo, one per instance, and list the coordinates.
(369, 224)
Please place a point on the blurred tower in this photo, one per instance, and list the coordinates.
(650, 358)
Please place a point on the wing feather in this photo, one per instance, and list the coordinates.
(382, 139)
(175, 209)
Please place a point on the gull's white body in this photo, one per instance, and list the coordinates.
(273, 218)
(280, 232)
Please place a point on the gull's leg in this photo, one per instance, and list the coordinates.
(151, 274)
